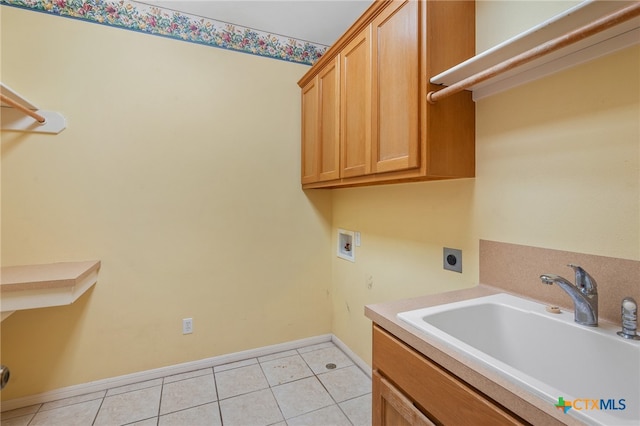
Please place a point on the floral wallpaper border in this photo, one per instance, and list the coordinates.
(147, 19)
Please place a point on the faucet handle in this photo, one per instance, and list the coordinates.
(585, 282)
(629, 309)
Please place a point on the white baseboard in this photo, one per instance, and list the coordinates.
(128, 379)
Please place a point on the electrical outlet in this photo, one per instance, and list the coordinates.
(452, 259)
(187, 326)
(369, 281)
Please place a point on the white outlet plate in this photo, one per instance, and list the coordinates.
(187, 326)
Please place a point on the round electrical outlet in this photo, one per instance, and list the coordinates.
(452, 259)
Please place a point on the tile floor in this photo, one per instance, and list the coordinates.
(291, 388)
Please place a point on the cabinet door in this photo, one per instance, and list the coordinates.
(392, 408)
(321, 126)
(329, 121)
(355, 116)
(310, 132)
(396, 88)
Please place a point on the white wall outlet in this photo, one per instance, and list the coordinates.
(452, 259)
(187, 326)
(346, 245)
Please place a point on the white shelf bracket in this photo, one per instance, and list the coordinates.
(19, 115)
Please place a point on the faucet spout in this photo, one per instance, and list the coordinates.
(584, 295)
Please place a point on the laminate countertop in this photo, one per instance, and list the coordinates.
(508, 394)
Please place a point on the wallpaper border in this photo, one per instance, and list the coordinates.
(135, 16)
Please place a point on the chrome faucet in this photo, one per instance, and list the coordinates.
(584, 294)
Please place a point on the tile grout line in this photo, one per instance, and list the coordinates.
(160, 402)
(284, 419)
(325, 388)
(215, 385)
(216, 400)
(34, 415)
(95, 418)
(331, 396)
(320, 381)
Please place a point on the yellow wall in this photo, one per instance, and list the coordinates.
(558, 166)
(179, 169)
(500, 20)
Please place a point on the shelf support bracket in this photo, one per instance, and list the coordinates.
(20, 115)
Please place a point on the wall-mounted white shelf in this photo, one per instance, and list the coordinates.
(603, 43)
(40, 286)
(13, 119)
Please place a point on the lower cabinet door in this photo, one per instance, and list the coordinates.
(392, 408)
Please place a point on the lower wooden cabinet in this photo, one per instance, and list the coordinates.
(410, 389)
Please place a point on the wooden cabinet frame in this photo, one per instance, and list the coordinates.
(388, 131)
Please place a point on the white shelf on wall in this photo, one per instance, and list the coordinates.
(618, 37)
(40, 286)
(13, 119)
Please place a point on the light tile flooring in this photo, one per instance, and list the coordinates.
(294, 388)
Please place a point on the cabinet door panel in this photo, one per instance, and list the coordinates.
(392, 408)
(329, 127)
(396, 88)
(310, 132)
(355, 83)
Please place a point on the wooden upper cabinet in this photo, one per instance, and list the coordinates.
(355, 95)
(377, 118)
(395, 97)
(321, 126)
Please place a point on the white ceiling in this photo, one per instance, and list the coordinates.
(317, 21)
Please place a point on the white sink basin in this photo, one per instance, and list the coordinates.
(548, 354)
